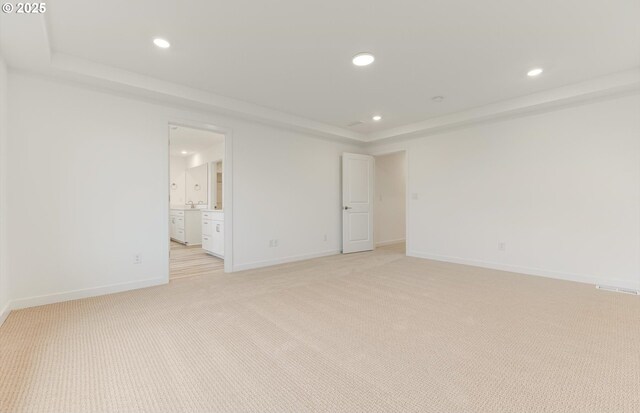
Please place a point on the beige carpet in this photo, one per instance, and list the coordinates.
(370, 332)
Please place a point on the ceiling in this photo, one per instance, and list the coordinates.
(191, 140)
(295, 56)
(288, 62)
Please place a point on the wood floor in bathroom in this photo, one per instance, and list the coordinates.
(192, 261)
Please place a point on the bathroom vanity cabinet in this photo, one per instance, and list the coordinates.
(185, 226)
(213, 232)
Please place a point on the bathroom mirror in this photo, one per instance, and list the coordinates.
(197, 184)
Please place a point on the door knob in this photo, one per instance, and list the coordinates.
(347, 207)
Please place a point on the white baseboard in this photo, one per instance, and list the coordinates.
(85, 293)
(4, 313)
(277, 261)
(390, 242)
(529, 271)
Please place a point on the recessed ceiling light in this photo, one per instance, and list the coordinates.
(377, 118)
(184, 152)
(534, 72)
(161, 43)
(437, 99)
(363, 59)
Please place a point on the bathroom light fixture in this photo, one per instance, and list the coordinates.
(377, 118)
(363, 59)
(534, 72)
(437, 99)
(184, 152)
(161, 43)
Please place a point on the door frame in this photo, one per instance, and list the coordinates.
(227, 182)
(209, 177)
(407, 195)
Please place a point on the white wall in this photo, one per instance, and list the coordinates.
(561, 189)
(290, 191)
(390, 198)
(87, 185)
(4, 278)
(97, 164)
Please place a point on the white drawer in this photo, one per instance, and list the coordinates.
(179, 222)
(179, 235)
(177, 212)
(207, 227)
(207, 243)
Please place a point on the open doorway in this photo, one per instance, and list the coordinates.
(390, 201)
(374, 210)
(196, 202)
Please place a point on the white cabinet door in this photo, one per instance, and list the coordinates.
(180, 235)
(207, 227)
(172, 227)
(218, 238)
(207, 243)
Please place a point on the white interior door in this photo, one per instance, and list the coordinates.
(357, 202)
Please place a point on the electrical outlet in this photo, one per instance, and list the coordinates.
(275, 242)
(414, 196)
(502, 246)
(137, 259)
(325, 237)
